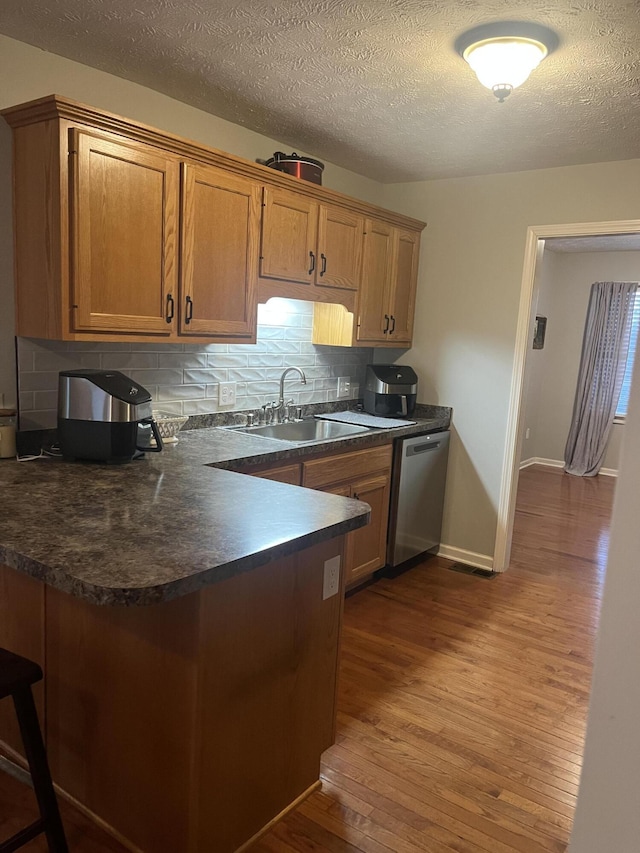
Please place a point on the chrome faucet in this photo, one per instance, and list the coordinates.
(281, 403)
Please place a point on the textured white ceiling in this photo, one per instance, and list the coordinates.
(375, 86)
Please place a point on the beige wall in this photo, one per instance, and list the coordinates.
(27, 73)
(537, 359)
(607, 816)
(467, 308)
(565, 285)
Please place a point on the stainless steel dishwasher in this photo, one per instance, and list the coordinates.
(417, 496)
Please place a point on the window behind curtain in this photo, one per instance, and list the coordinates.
(623, 400)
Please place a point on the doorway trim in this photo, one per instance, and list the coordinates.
(524, 333)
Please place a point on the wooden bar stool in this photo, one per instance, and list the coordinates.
(17, 674)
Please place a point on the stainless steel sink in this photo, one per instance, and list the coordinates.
(301, 431)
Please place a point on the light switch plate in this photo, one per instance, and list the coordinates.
(331, 583)
(227, 393)
(344, 386)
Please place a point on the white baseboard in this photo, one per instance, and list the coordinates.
(539, 460)
(469, 558)
(558, 463)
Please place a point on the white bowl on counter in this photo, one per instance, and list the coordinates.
(169, 426)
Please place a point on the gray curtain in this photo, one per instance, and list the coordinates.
(605, 347)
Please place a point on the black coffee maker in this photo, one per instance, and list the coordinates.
(390, 390)
(102, 416)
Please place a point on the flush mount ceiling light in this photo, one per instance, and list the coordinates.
(504, 54)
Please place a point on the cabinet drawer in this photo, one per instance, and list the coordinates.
(285, 474)
(345, 466)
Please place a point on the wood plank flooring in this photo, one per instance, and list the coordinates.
(463, 700)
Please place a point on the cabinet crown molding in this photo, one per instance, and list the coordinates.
(54, 107)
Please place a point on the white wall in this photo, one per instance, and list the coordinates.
(607, 816)
(565, 286)
(467, 308)
(537, 359)
(27, 73)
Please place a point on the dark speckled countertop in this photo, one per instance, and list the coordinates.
(173, 522)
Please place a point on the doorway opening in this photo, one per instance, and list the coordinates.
(628, 230)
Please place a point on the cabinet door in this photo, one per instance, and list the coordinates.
(373, 314)
(340, 235)
(289, 232)
(220, 238)
(367, 546)
(124, 212)
(403, 285)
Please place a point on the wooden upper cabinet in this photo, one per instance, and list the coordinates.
(220, 239)
(289, 235)
(111, 245)
(389, 281)
(309, 243)
(339, 254)
(124, 221)
(403, 286)
(386, 298)
(373, 304)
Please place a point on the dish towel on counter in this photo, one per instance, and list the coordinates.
(362, 419)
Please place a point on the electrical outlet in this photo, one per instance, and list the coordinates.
(331, 582)
(227, 393)
(527, 433)
(344, 386)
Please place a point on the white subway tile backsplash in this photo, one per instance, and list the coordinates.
(208, 348)
(271, 333)
(247, 374)
(269, 390)
(40, 381)
(45, 399)
(183, 378)
(196, 407)
(160, 376)
(286, 347)
(231, 359)
(167, 408)
(180, 392)
(268, 359)
(183, 360)
(206, 376)
(126, 361)
(296, 334)
(37, 419)
(26, 401)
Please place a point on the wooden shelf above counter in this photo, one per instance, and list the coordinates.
(126, 233)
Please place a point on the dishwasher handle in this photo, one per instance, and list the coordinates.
(425, 447)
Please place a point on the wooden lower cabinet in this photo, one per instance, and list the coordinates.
(193, 724)
(367, 547)
(291, 474)
(361, 474)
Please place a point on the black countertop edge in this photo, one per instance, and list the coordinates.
(175, 472)
(158, 594)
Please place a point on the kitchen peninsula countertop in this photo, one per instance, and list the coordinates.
(167, 525)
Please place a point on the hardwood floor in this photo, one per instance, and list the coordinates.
(463, 699)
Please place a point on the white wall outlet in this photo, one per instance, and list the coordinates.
(227, 393)
(527, 433)
(344, 386)
(331, 583)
